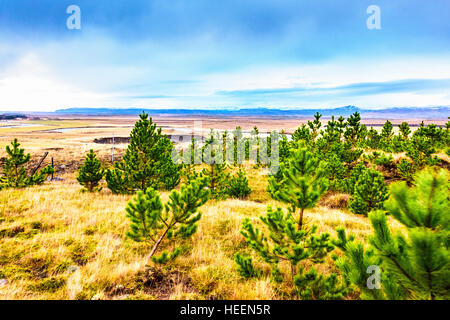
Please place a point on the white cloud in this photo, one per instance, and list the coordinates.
(33, 84)
(28, 85)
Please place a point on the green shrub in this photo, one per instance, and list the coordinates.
(152, 222)
(406, 170)
(147, 162)
(297, 247)
(335, 171)
(91, 172)
(369, 193)
(245, 266)
(14, 173)
(238, 187)
(415, 266)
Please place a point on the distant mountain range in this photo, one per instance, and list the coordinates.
(390, 113)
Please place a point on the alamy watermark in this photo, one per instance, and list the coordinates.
(374, 281)
(233, 147)
(374, 20)
(73, 22)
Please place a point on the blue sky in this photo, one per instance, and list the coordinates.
(223, 54)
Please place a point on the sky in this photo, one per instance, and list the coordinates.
(208, 54)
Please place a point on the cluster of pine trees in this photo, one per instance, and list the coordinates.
(14, 172)
(344, 156)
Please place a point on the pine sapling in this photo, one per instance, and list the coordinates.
(353, 129)
(147, 162)
(91, 172)
(414, 264)
(245, 266)
(336, 172)
(406, 170)
(239, 187)
(288, 244)
(153, 222)
(369, 193)
(14, 172)
(290, 240)
(302, 183)
(405, 130)
(315, 126)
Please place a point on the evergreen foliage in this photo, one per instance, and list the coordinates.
(153, 222)
(91, 172)
(218, 180)
(406, 170)
(373, 139)
(354, 129)
(405, 130)
(245, 266)
(14, 173)
(216, 174)
(420, 149)
(315, 126)
(302, 182)
(336, 172)
(302, 133)
(290, 240)
(387, 132)
(415, 265)
(369, 193)
(355, 173)
(331, 134)
(238, 187)
(287, 243)
(147, 163)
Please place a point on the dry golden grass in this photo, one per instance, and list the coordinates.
(56, 226)
(57, 242)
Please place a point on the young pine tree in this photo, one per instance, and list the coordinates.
(284, 149)
(405, 130)
(296, 247)
(302, 134)
(302, 183)
(315, 126)
(355, 173)
(91, 172)
(331, 133)
(369, 193)
(387, 133)
(244, 266)
(420, 149)
(215, 173)
(191, 157)
(147, 163)
(414, 264)
(153, 222)
(373, 139)
(340, 127)
(336, 172)
(14, 167)
(238, 187)
(218, 180)
(14, 172)
(353, 129)
(406, 170)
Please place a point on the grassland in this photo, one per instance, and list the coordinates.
(47, 231)
(57, 242)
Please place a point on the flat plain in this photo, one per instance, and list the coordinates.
(60, 228)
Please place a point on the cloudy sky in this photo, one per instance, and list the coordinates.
(223, 54)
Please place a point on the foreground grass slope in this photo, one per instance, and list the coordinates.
(59, 243)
